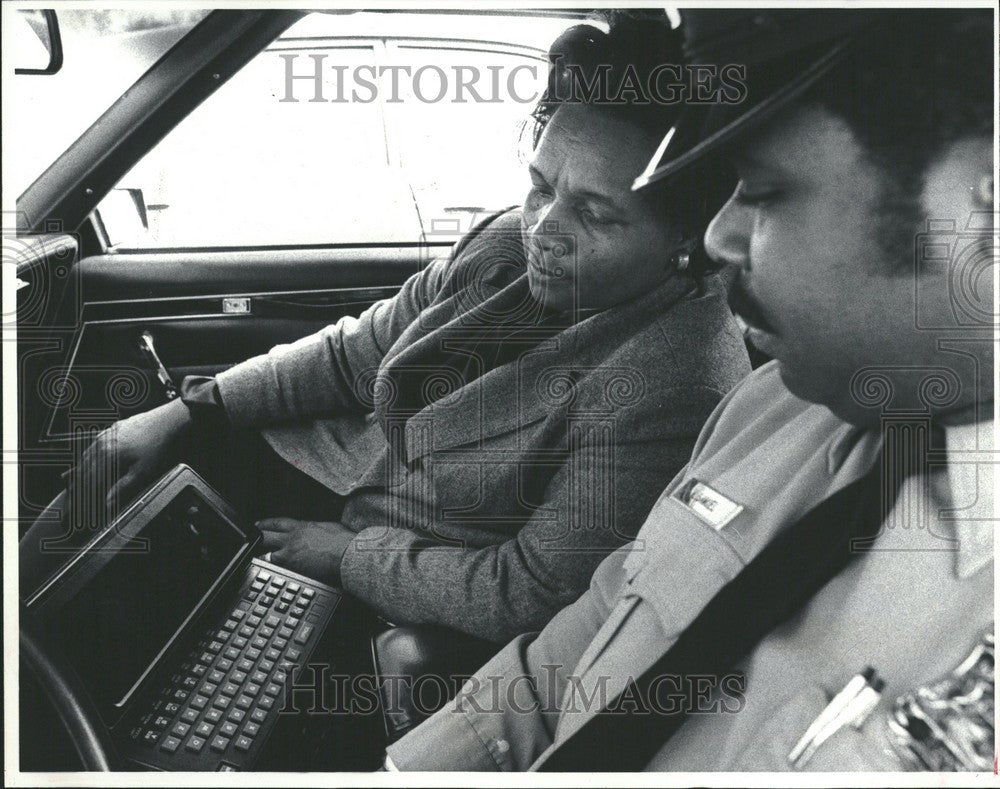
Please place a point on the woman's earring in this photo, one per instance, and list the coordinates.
(683, 261)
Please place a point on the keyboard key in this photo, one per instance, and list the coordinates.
(151, 736)
(297, 611)
(293, 654)
(195, 743)
(239, 677)
(259, 610)
(302, 602)
(206, 658)
(227, 729)
(259, 715)
(199, 669)
(272, 689)
(265, 702)
(244, 702)
(263, 576)
(208, 688)
(266, 601)
(224, 664)
(285, 631)
(236, 714)
(272, 621)
(181, 728)
(278, 581)
(292, 621)
(303, 635)
(239, 642)
(254, 620)
(280, 643)
(243, 743)
(287, 597)
(246, 664)
(171, 708)
(180, 694)
(252, 653)
(231, 624)
(199, 702)
(213, 716)
(161, 722)
(233, 653)
(190, 682)
(257, 585)
(272, 654)
(251, 689)
(204, 729)
(219, 743)
(215, 646)
(250, 729)
(307, 592)
(259, 642)
(216, 676)
(293, 587)
(259, 677)
(266, 665)
(189, 715)
(230, 689)
(266, 632)
(239, 613)
(223, 635)
(281, 607)
(279, 677)
(169, 744)
(221, 701)
(246, 631)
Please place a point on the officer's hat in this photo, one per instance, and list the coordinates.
(783, 51)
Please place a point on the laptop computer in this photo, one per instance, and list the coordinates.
(186, 641)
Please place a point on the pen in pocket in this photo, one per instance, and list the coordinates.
(851, 706)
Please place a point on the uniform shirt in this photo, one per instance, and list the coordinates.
(912, 607)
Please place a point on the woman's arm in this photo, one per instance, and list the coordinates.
(317, 375)
(498, 591)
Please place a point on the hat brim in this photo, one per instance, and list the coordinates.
(701, 131)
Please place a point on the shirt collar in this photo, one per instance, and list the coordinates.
(971, 466)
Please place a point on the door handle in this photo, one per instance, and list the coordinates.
(149, 351)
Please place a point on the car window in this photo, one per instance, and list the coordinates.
(104, 51)
(247, 169)
(369, 154)
(466, 158)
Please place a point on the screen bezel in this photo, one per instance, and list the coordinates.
(126, 532)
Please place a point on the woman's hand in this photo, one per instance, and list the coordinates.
(132, 453)
(312, 548)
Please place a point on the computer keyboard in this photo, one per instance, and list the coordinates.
(217, 708)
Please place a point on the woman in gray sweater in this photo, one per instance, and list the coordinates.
(475, 445)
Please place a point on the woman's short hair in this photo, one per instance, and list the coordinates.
(627, 72)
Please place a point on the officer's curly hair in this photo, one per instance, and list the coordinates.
(908, 93)
(637, 43)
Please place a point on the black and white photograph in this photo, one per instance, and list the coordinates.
(435, 395)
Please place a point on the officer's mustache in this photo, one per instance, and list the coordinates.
(744, 305)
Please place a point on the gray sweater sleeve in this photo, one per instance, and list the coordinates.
(498, 591)
(318, 375)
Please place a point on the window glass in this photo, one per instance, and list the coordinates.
(465, 155)
(104, 52)
(248, 169)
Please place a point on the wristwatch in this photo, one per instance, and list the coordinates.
(200, 393)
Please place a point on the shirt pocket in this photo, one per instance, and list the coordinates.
(680, 565)
(782, 726)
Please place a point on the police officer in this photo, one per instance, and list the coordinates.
(815, 589)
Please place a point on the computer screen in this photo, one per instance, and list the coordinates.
(115, 624)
